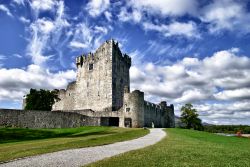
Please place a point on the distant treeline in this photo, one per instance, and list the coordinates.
(227, 129)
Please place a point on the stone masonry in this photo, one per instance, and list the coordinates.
(102, 86)
(101, 77)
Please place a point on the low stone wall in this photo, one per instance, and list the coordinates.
(45, 119)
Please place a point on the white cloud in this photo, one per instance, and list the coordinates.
(225, 113)
(46, 33)
(6, 10)
(192, 95)
(2, 57)
(17, 55)
(241, 93)
(87, 37)
(185, 29)
(42, 5)
(13, 87)
(45, 26)
(188, 29)
(226, 15)
(165, 7)
(83, 36)
(19, 2)
(108, 16)
(217, 85)
(223, 76)
(101, 29)
(41, 30)
(97, 7)
(24, 20)
(126, 16)
(76, 44)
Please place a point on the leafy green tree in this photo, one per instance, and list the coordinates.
(189, 117)
(41, 99)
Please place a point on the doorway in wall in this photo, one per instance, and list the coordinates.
(128, 122)
(113, 121)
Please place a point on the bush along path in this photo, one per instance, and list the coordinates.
(83, 156)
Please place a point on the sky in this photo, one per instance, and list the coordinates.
(183, 51)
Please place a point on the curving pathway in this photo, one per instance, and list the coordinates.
(83, 156)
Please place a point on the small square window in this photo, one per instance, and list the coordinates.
(127, 109)
(91, 66)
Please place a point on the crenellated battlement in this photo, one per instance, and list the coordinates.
(101, 52)
(90, 57)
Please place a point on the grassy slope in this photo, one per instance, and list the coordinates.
(16, 142)
(187, 148)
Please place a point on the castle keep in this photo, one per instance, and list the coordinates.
(102, 91)
(100, 82)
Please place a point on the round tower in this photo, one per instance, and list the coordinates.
(134, 108)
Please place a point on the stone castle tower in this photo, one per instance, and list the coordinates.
(101, 79)
(102, 93)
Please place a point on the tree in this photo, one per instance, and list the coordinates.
(41, 99)
(189, 117)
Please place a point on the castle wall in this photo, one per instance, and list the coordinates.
(45, 119)
(68, 98)
(160, 115)
(153, 114)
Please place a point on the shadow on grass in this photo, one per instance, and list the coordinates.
(8, 135)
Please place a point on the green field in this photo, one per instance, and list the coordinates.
(187, 148)
(17, 142)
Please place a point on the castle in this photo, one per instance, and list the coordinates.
(102, 91)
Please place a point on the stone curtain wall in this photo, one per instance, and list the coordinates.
(45, 119)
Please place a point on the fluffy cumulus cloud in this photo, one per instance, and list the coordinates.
(222, 77)
(226, 14)
(15, 83)
(236, 112)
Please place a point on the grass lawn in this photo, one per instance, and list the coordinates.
(17, 142)
(187, 148)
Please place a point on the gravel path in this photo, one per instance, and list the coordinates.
(83, 156)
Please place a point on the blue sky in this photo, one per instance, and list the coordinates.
(182, 51)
